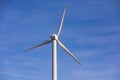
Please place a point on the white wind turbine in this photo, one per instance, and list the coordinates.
(54, 39)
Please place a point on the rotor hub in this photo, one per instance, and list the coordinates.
(53, 37)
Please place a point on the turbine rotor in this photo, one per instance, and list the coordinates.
(55, 37)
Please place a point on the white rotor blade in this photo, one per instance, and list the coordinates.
(60, 27)
(41, 44)
(64, 48)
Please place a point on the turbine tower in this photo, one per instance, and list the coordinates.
(54, 39)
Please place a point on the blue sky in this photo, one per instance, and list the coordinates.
(91, 30)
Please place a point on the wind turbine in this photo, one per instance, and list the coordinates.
(54, 39)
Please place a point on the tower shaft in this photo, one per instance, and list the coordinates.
(54, 60)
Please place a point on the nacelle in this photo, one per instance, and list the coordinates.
(53, 37)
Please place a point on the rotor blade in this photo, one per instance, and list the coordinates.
(41, 44)
(64, 48)
(60, 26)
